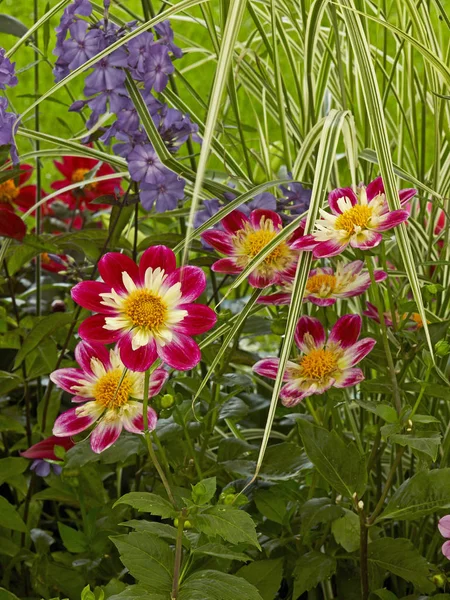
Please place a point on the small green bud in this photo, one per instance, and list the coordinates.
(167, 401)
(229, 499)
(442, 348)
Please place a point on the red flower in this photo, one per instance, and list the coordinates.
(46, 448)
(74, 169)
(11, 225)
(13, 192)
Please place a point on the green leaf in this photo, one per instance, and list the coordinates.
(399, 556)
(215, 585)
(11, 467)
(283, 462)
(426, 442)
(46, 30)
(265, 575)
(120, 216)
(149, 559)
(11, 25)
(272, 505)
(346, 531)
(10, 518)
(148, 502)
(159, 529)
(221, 551)
(137, 592)
(9, 382)
(384, 595)
(233, 525)
(342, 466)
(204, 491)
(318, 510)
(7, 595)
(73, 540)
(311, 569)
(422, 494)
(45, 327)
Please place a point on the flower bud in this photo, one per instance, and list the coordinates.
(442, 348)
(58, 306)
(167, 401)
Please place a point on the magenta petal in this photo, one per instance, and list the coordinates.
(193, 282)
(200, 318)
(291, 395)
(136, 360)
(375, 188)
(444, 526)
(355, 267)
(276, 299)
(339, 193)
(157, 256)
(380, 275)
(329, 248)
(220, 240)
(87, 295)
(307, 242)
(262, 213)
(136, 424)
(358, 351)
(349, 378)
(105, 434)
(66, 378)
(446, 549)
(92, 329)
(392, 219)
(182, 353)
(46, 448)
(157, 379)
(235, 221)
(311, 326)
(226, 265)
(112, 265)
(259, 281)
(320, 301)
(85, 351)
(372, 239)
(70, 424)
(267, 367)
(346, 331)
(298, 233)
(406, 195)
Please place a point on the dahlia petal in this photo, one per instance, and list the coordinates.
(260, 281)
(268, 215)
(406, 195)
(93, 329)
(69, 423)
(135, 424)
(85, 351)
(200, 318)
(320, 301)
(329, 248)
(355, 267)
(193, 282)
(46, 448)
(220, 240)
(112, 265)
(314, 328)
(345, 331)
(26, 171)
(87, 295)
(366, 239)
(339, 193)
(291, 395)
(235, 221)
(298, 233)
(355, 353)
(226, 265)
(446, 549)
(275, 299)
(267, 367)
(157, 379)
(136, 360)
(380, 275)
(392, 219)
(349, 378)
(375, 188)
(11, 225)
(182, 353)
(444, 526)
(157, 256)
(307, 242)
(105, 434)
(69, 377)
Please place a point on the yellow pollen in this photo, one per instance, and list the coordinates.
(146, 309)
(357, 216)
(78, 175)
(106, 392)
(252, 241)
(8, 191)
(45, 258)
(318, 364)
(317, 283)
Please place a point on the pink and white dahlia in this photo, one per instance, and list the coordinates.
(356, 219)
(326, 285)
(244, 237)
(323, 363)
(108, 395)
(412, 320)
(148, 309)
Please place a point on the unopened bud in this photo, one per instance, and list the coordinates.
(442, 348)
(58, 306)
(410, 425)
(167, 401)
(361, 505)
(338, 499)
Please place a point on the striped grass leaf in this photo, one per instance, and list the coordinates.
(312, 31)
(373, 102)
(234, 18)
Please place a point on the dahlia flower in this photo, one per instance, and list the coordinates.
(444, 530)
(244, 237)
(357, 219)
(413, 320)
(323, 363)
(325, 285)
(105, 389)
(148, 309)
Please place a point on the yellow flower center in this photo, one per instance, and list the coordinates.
(45, 258)
(318, 364)
(318, 283)
(146, 309)
(251, 241)
(79, 174)
(357, 216)
(8, 191)
(107, 391)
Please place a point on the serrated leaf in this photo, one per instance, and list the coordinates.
(74, 541)
(221, 551)
(318, 510)
(148, 502)
(310, 570)
(204, 491)
(265, 575)
(426, 442)
(346, 531)
(271, 504)
(231, 524)
(215, 585)
(9, 517)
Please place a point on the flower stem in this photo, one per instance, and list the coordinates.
(363, 560)
(178, 555)
(387, 487)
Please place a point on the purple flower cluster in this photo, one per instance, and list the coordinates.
(7, 119)
(148, 59)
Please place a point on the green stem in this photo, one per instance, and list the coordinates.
(363, 558)
(387, 487)
(178, 554)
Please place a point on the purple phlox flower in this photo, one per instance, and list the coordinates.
(139, 49)
(296, 198)
(265, 200)
(175, 128)
(127, 143)
(145, 166)
(60, 70)
(165, 33)
(106, 4)
(8, 129)
(158, 67)
(7, 71)
(165, 194)
(210, 208)
(42, 468)
(83, 44)
(104, 77)
(78, 7)
(98, 104)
